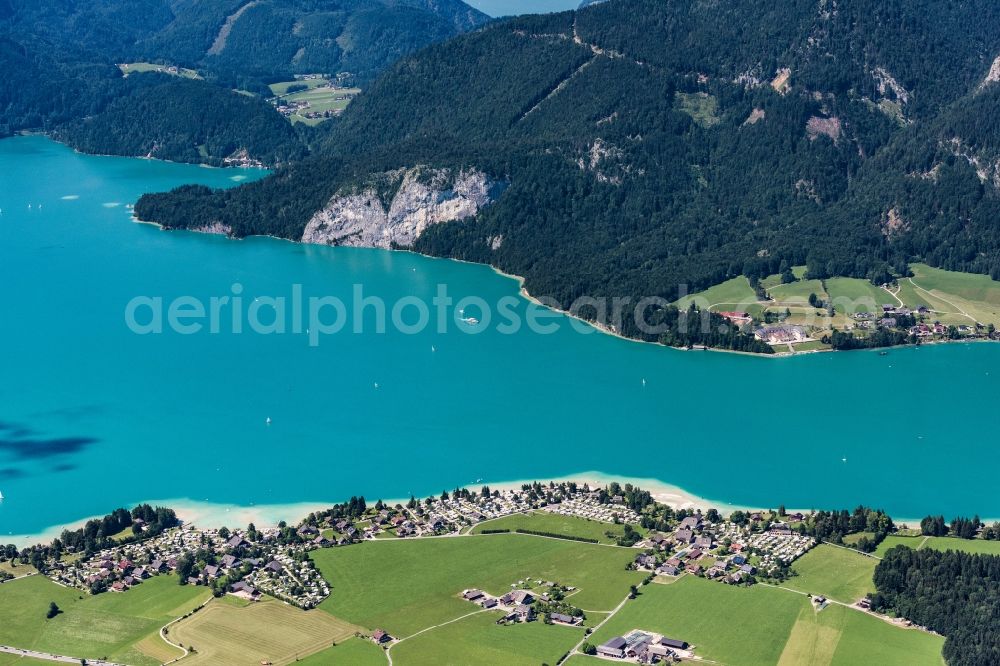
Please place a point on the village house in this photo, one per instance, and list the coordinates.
(561, 618)
(613, 648)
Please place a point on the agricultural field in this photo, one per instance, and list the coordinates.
(785, 629)
(894, 540)
(774, 280)
(838, 636)
(968, 286)
(478, 640)
(851, 295)
(18, 569)
(544, 521)
(267, 631)
(954, 298)
(352, 652)
(797, 293)
(320, 95)
(977, 546)
(281, 88)
(117, 626)
(735, 294)
(140, 67)
(838, 573)
(714, 618)
(404, 586)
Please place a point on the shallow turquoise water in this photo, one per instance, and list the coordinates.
(95, 416)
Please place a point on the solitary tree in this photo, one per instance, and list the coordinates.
(53, 610)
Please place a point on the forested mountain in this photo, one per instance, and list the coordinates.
(59, 56)
(650, 144)
(185, 121)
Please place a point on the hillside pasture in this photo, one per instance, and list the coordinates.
(838, 573)
(735, 294)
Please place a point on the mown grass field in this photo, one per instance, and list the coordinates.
(837, 573)
(265, 631)
(732, 625)
(544, 521)
(798, 292)
(352, 652)
(952, 295)
(139, 67)
(766, 625)
(893, 540)
(282, 87)
(404, 586)
(320, 99)
(969, 286)
(478, 640)
(851, 295)
(108, 625)
(734, 294)
(979, 546)
(838, 636)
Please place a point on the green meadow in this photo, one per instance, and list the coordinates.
(850, 295)
(797, 292)
(108, 625)
(478, 640)
(140, 67)
(404, 586)
(838, 573)
(544, 521)
(352, 652)
(732, 625)
(838, 636)
(702, 107)
(767, 625)
(734, 294)
(977, 546)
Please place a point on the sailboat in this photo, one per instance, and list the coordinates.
(1, 496)
(268, 421)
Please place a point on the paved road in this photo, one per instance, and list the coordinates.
(45, 656)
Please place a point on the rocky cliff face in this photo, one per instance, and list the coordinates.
(395, 208)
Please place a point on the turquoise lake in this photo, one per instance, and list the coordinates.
(93, 415)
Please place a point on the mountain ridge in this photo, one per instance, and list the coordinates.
(653, 148)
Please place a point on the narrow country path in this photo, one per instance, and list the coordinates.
(575, 649)
(888, 620)
(943, 300)
(388, 652)
(893, 294)
(164, 628)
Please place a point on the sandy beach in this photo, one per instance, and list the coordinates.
(213, 515)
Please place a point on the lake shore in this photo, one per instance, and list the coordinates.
(214, 515)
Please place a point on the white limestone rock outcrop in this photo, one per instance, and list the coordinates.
(384, 215)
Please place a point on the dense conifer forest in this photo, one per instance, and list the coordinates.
(953, 593)
(59, 58)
